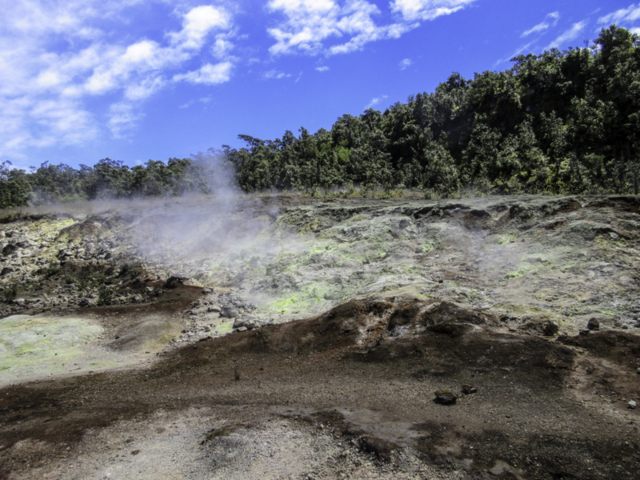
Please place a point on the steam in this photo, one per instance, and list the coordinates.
(223, 239)
(211, 238)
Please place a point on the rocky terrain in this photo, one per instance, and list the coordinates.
(284, 337)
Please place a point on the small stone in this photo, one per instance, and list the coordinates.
(83, 302)
(550, 329)
(445, 397)
(584, 332)
(638, 370)
(9, 249)
(632, 405)
(593, 324)
(228, 312)
(207, 291)
(174, 281)
(469, 389)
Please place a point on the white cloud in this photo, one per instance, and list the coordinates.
(206, 100)
(123, 116)
(276, 75)
(405, 63)
(309, 25)
(626, 15)
(208, 74)
(333, 27)
(376, 101)
(144, 89)
(520, 50)
(413, 10)
(55, 55)
(222, 46)
(198, 23)
(568, 35)
(140, 52)
(322, 68)
(52, 17)
(551, 20)
(357, 21)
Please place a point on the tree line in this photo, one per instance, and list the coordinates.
(559, 122)
(106, 179)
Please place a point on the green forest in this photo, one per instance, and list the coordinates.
(559, 122)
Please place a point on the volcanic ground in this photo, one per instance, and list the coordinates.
(286, 337)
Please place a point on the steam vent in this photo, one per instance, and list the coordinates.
(436, 277)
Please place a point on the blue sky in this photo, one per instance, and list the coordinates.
(135, 80)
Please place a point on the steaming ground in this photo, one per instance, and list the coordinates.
(281, 337)
(510, 256)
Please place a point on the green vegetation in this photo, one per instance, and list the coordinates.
(560, 122)
(107, 178)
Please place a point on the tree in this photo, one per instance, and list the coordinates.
(440, 172)
(15, 189)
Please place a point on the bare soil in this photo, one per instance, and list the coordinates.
(385, 340)
(347, 393)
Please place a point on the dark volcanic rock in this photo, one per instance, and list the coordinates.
(445, 397)
(9, 249)
(228, 312)
(174, 282)
(469, 389)
(550, 329)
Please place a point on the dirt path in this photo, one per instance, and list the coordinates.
(349, 393)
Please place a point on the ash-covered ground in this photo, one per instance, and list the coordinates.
(284, 337)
